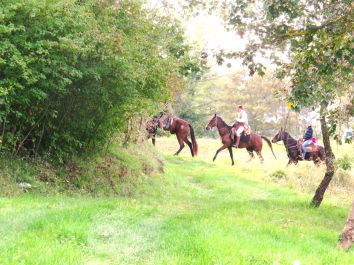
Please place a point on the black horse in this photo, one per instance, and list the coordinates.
(292, 149)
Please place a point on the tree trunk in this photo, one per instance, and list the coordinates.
(317, 199)
(347, 237)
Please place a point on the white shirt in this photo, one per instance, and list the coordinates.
(242, 117)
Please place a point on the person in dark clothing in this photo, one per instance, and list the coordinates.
(307, 138)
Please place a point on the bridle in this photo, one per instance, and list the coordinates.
(209, 127)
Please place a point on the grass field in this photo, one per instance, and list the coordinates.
(196, 212)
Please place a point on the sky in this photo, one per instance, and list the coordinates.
(205, 32)
(208, 33)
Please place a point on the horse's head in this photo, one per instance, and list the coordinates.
(212, 123)
(152, 125)
(279, 136)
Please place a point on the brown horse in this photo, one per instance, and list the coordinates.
(254, 144)
(293, 152)
(182, 129)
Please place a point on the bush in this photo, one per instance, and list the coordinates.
(344, 162)
(279, 174)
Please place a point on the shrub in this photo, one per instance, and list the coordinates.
(279, 174)
(344, 162)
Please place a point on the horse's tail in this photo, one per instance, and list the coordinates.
(269, 143)
(194, 141)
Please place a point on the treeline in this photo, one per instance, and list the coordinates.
(72, 73)
(262, 98)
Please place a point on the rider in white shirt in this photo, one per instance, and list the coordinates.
(242, 119)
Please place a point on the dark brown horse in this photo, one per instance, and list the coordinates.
(254, 144)
(182, 129)
(293, 152)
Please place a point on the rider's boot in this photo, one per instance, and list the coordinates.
(237, 142)
(300, 157)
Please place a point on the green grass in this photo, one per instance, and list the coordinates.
(196, 212)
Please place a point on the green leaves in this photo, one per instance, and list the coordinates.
(74, 72)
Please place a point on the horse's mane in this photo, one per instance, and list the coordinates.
(223, 123)
(288, 136)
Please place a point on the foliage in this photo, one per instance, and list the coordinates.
(73, 72)
(345, 162)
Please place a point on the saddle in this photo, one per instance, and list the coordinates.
(245, 135)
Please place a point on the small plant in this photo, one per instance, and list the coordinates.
(345, 162)
(278, 174)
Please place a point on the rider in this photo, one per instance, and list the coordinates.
(307, 139)
(243, 124)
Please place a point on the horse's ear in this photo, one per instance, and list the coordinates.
(281, 129)
(214, 115)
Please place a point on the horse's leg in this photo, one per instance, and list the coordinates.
(260, 156)
(153, 139)
(250, 152)
(289, 162)
(220, 149)
(231, 155)
(189, 144)
(181, 145)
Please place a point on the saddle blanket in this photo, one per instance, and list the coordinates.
(245, 138)
(311, 148)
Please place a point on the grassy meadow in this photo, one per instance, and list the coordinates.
(195, 212)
